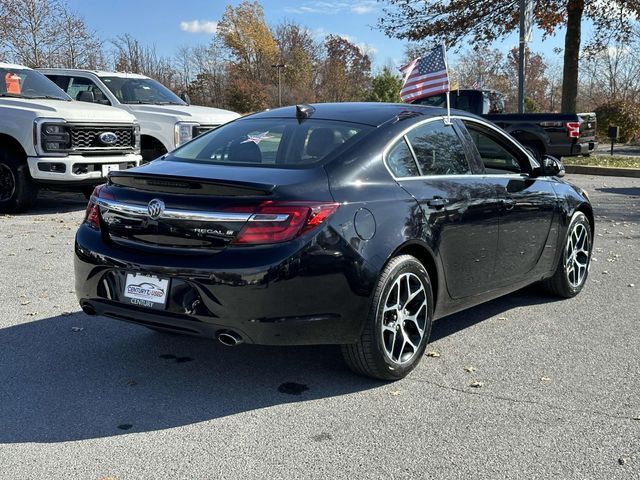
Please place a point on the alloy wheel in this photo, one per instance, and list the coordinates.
(577, 255)
(404, 318)
(7, 182)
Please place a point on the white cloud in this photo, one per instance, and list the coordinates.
(360, 7)
(199, 26)
(363, 8)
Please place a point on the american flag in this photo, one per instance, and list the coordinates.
(477, 84)
(425, 76)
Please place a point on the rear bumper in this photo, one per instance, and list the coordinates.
(568, 150)
(77, 168)
(280, 295)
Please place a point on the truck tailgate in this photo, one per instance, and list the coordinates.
(587, 127)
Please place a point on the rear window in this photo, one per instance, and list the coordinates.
(273, 142)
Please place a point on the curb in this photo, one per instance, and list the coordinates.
(606, 171)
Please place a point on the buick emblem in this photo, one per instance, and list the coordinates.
(108, 138)
(155, 208)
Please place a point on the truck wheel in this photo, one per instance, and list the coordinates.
(535, 149)
(18, 192)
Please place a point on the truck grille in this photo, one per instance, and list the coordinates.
(87, 138)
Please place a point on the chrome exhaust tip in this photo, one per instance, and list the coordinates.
(229, 339)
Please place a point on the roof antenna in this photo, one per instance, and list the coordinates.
(304, 111)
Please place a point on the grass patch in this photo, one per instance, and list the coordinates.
(599, 160)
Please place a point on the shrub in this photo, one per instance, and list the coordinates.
(623, 114)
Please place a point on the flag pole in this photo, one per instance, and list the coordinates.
(446, 67)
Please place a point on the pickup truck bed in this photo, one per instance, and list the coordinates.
(556, 134)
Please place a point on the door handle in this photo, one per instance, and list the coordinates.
(508, 203)
(437, 202)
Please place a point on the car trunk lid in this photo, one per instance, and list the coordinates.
(196, 208)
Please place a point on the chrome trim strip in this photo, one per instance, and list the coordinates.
(171, 213)
(495, 128)
(269, 217)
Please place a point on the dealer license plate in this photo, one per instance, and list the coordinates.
(146, 290)
(109, 168)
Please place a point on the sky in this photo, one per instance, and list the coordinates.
(170, 24)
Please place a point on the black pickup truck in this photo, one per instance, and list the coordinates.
(556, 134)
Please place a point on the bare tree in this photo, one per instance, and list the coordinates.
(612, 73)
(30, 30)
(46, 33)
(132, 56)
(79, 46)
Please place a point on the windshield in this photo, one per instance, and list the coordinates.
(272, 142)
(23, 83)
(141, 91)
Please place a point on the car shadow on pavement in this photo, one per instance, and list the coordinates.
(532, 295)
(74, 377)
(632, 191)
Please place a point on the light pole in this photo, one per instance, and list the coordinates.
(280, 67)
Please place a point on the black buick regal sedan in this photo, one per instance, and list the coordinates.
(354, 224)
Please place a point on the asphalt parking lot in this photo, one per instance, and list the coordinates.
(556, 395)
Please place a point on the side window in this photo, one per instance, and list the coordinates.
(438, 150)
(77, 85)
(496, 156)
(60, 81)
(400, 160)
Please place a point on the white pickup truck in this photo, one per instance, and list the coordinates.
(166, 121)
(47, 139)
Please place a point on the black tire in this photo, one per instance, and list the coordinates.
(368, 356)
(87, 191)
(18, 192)
(536, 149)
(560, 283)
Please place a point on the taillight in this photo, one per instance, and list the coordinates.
(92, 215)
(275, 222)
(573, 129)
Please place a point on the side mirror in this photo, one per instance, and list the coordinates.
(185, 98)
(552, 167)
(86, 96)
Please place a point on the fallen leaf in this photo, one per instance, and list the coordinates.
(32, 314)
(433, 354)
(502, 318)
(476, 384)
(470, 369)
(394, 393)
(26, 302)
(545, 379)
(632, 285)
(622, 461)
(77, 329)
